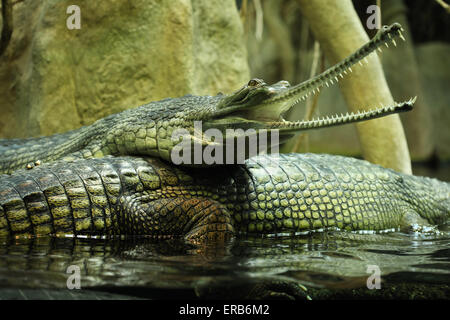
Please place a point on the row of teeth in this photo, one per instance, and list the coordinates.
(359, 115)
(303, 98)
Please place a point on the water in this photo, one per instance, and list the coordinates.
(328, 263)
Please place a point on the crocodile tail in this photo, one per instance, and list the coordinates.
(17, 153)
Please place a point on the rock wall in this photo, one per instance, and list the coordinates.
(125, 54)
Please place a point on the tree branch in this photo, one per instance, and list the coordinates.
(444, 5)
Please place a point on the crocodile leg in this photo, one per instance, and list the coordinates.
(411, 222)
(196, 219)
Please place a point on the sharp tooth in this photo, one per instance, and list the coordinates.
(318, 90)
(331, 81)
(345, 72)
(387, 46)
(350, 68)
(401, 36)
(335, 78)
(393, 41)
(326, 82)
(365, 60)
(360, 63)
(340, 75)
(389, 35)
(379, 49)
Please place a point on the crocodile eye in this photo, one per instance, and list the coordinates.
(254, 82)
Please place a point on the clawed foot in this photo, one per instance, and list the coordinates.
(423, 229)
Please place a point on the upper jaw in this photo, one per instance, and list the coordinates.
(292, 95)
(268, 112)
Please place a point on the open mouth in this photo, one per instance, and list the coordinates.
(271, 102)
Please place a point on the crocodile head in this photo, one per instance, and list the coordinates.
(259, 105)
(214, 122)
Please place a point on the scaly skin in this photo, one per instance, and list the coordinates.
(148, 129)
(268, 195)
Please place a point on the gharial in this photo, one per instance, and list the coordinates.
(269, 194)
(149, 129)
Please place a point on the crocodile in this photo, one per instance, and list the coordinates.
(272, 194)
(154, 129)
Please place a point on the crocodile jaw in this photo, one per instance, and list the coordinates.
(288, 97)
(280, 97)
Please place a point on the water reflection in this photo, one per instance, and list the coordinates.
(322, 260)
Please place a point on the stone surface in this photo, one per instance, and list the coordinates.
(126, 53)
